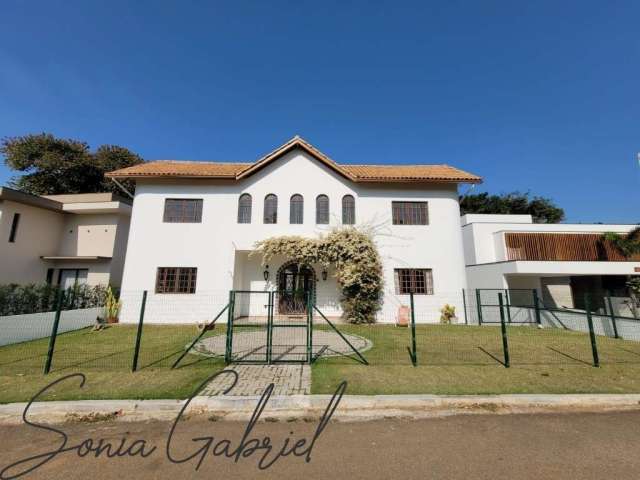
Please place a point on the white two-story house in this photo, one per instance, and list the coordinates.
(195, 224)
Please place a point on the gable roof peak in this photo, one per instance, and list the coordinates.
(296, 142)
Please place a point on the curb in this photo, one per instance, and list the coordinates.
(311, 407)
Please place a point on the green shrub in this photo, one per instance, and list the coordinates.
(33, 298)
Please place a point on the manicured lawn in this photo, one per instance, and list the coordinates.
(451, 360)
(469, 360)
(106, 358)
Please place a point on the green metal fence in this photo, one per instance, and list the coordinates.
(275, 327)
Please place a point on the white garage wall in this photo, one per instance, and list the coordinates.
(22, 328)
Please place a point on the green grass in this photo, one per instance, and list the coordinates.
(105, 357)
(451, 360)
(458, 360)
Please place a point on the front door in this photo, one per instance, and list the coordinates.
(295, 283)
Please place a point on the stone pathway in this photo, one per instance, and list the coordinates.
(253, 379)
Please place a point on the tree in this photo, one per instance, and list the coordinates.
(543, 210)
(53, 165)
(628, 244)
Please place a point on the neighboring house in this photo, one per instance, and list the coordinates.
(195, 224)
(562, 261)
(63, 239)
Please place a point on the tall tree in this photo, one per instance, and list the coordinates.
(51, 165)
(543, 210)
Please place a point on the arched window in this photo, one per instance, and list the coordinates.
(244, 208)
(296, 210)
(322, 210)
(271, 209)
(348, 210)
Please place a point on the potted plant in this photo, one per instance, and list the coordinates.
(403, 316)
(448, 314)
(111, 307)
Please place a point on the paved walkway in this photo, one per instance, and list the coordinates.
(253, 379)
(289, 344)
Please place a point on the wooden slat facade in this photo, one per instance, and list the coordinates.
(582, 247)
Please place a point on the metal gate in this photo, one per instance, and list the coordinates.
(269, 327)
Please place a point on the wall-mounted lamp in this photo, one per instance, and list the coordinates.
(265, 274)
(324, 274)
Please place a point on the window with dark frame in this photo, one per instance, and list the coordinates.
(270, 209)
(182, 210)
(296, 209)
(418, 281)
(176, 280)
(322, 210)
(244, 208)
(410, 213)
(50, 272)
(70, 277)
(14, 228)
(348, 210)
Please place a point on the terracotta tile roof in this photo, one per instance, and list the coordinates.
(410, 173)
(355, 173)
(173, 168)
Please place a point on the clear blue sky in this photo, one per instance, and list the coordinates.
(541, 96)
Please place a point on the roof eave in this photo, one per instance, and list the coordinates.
(169, 175)
(418, 180)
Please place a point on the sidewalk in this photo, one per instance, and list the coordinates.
(311, 407)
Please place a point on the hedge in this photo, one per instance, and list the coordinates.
(33, 298)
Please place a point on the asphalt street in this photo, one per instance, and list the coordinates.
(543, 446)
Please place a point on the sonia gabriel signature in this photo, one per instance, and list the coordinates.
(266, 452)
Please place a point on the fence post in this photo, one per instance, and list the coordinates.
(592, 334)
(479, 306)
(503, 328)
(414, 354)
(313, 306)
(134, 366)
(54, 331)
(270, 306)
(613, 316)
(309, 327)
(536, 304)
(227, 350)
(508, 301)
(464, 306)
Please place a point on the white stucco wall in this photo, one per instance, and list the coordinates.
(22, 328)
(211, 245)
(43, 232)
(119, 249)
(89, 235)
(38, 234)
